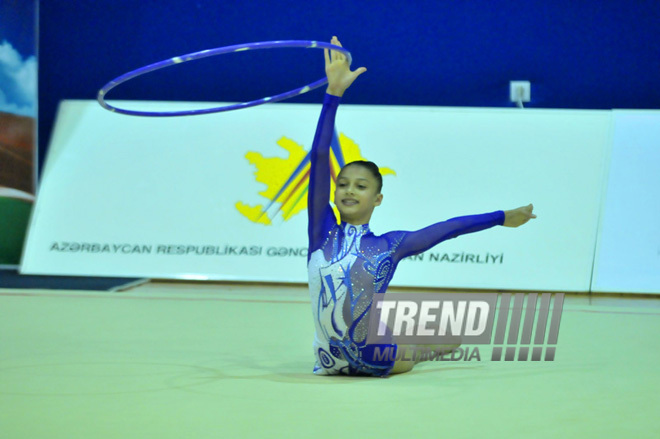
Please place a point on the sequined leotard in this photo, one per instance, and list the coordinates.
(348, 264)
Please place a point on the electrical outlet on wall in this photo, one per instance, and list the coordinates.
(520, 91)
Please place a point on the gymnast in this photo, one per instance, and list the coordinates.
(347, 263)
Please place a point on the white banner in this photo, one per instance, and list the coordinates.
(628, 256)
(183, 197)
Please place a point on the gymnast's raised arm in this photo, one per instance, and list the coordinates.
(340, 77)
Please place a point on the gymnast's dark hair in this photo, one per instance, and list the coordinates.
(372, 167)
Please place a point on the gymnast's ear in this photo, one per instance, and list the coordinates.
(379, 199)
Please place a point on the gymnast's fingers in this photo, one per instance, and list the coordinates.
(340, 55)
(336, 55)
(359, 71)
(530, 211)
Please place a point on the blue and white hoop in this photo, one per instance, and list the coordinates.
(213, 52)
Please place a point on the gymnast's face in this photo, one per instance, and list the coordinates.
(356, 194)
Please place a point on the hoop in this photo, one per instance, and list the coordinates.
(213, 52)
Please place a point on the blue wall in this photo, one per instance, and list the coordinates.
(577, 53)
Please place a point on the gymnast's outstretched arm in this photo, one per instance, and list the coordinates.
(422, 240)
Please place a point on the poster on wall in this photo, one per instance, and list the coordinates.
(18, 113)
(628, 251)
(224, 196)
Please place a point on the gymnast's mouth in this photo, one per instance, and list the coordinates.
(349, 202)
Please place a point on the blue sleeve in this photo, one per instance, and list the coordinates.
(320, 214)
(413, 243)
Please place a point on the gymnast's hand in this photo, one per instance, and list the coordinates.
(518, 217)
(338, 71)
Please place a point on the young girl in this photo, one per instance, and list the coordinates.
(347, 263)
